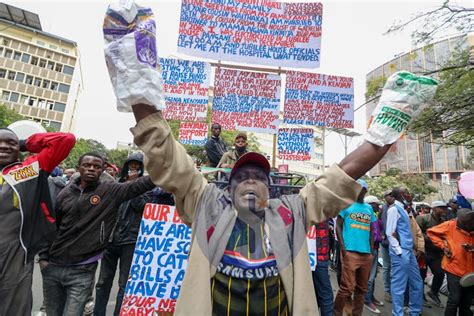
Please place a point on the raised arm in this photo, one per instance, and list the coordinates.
(166, 161)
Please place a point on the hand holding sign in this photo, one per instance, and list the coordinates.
(131, 56)
(403, 98)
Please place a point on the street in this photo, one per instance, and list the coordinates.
(386, 310)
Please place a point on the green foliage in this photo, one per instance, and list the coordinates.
(417, 184)
(374, 85)
(117, 156)
(83, 146)
(8, 116)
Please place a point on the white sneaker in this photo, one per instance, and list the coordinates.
(371, 307)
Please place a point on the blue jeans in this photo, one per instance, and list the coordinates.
(386, 269)
(369, 297)
(404, 268)
(323, 289)
(67, 288)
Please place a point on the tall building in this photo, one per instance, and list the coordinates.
(412, 153)
(38, 71)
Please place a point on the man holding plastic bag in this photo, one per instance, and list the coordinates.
(249, 252)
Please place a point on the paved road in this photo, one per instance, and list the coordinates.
(386, 310)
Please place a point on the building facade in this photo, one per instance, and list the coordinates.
(412, 153)
(39, 75)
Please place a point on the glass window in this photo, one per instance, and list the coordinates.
(11, 75)
(405, 62)
(24, 99)
(5, 95)
(34, 60)
(60, 107)
(65, 50)
(417, 61)
(1, 51)
(442, 53)
(41, 43)
(42, 103)
(54, 85)
(430, 62)
(25, 58)
(58, 67)
(3, 73)
(14, 97)
(38, 82)
(68, 70)
(32, 101)
(49, 105)
(29, 80)
(53, 46)
(42, 63)
(55, 125)
(20, 77)
(8, 53)
(50, 65)
(63, 88)
(46, 83)
(17, 55)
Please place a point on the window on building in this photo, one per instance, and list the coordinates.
(41, 43)
(25, 58)
(32, 101)
(54, 86)
(53, 46)
(65, 50)
(1, 51)
(24, 99)
(20, 77)
(68, 70)
(11, 75)
(49, 105)
(8, 53)
(29, 80)
(59, 67)
(3, 73)
(42, 63)
(46, 84)
(55, 125)
(34, 60)
(60, 107)
(14, 97)
(17, 55)
(5, 95)
(38, 82)
(50, 65)
(42, 103)
(63, 88)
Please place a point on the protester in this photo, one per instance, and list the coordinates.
(55, 184)
(404, 265)
(229, 159)
(68, 174)
(384, 249)
(452, 209)
(424, 209)
(371, 302)
(433, 254)
(321, 280)
(215, 146)
(86, 213)
(27, 219)
(122, 240)
(354, 232)
(111, 169)
(223, 220)
(456, 238)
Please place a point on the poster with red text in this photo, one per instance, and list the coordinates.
(193, 133)
(295, 143)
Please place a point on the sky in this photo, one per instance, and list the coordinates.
(353, 44)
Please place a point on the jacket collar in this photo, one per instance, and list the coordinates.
(77, 185)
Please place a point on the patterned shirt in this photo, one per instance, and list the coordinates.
(322, 240)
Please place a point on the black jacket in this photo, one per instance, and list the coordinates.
(215, 148)
(85, 218)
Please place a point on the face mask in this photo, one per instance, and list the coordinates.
(240, 149)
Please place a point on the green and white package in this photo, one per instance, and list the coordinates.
(403, 98)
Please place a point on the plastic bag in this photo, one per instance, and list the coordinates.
(403, 98)
(131, 56)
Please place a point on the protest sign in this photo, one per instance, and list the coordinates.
(186, 86)
(193, 133)
(311, 241)
(159, 262)
(246, 101)
(262, 32)
(316, 99)
(295, 143)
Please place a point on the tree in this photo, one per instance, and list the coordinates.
(83, 146)
(117, 156)
(8, 116)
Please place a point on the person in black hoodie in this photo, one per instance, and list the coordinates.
(86, 212)
(122, 240)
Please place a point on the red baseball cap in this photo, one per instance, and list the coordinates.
(254, 159)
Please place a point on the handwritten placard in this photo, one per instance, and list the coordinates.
(316, 99)
(246, 101)
(186, 87)
(159, 262)
(312, 250)
(262, 32)
(295, 143)
(193, 133)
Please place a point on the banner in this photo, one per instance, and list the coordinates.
(316, 99)
(295, 143)
(186, 87)
(193, 133)
(261, 32)
(246, 101)
(159, 262)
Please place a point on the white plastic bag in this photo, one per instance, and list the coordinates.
(403, 98)
(131, 56)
